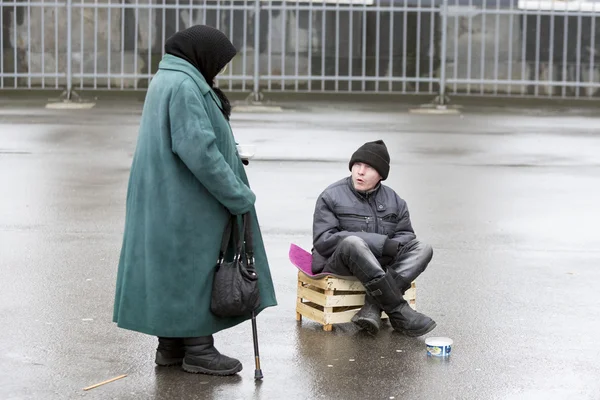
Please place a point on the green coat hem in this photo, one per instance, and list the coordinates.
(231, 322)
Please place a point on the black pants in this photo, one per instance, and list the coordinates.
(353, 257)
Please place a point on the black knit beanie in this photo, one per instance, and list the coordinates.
(374, 154)
(207, 49)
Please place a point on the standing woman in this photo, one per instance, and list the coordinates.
(186, 180)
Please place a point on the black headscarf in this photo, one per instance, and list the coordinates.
(207, 49)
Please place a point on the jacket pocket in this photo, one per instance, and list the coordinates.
(393, 217)
(352, 221)
(389, 223)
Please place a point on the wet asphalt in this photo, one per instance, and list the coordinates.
(508, 200)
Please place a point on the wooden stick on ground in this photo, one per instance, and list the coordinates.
(105, 382)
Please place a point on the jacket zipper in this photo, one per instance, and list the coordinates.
(373, 209)
(352, 215)
(375, 217)
(357, 216)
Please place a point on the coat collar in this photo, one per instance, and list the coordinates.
(363, 195)
(173, 63)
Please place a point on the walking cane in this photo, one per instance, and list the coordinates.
(258, 375)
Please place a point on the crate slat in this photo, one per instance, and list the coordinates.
(311, 313)
(331, 283)
(307, 293)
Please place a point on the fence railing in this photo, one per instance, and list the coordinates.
(438, 47)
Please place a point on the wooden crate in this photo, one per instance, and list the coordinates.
(332, 300)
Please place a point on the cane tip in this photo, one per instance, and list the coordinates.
(258, 375)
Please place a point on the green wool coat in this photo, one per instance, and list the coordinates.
(186, 178)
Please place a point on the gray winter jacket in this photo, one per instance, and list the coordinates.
(380, 218)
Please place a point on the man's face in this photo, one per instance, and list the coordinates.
(364, 177)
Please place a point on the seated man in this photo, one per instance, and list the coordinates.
(363, 228)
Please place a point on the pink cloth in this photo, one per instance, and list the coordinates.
(302, 260)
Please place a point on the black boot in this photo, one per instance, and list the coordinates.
(400, 282)
(201, 357)
(170, 351)
(402, 285)
(369, 316)
(403, 318)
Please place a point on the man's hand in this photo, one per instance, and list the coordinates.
(385, 261)
(390, 248)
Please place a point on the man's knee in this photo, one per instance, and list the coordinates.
(425, 256)
(420, 247)
(423, 251)
(427, 252)
(353, 247)
(352, 243)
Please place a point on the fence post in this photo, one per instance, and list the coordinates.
(256, 95)
(443, 45)
(69, 4)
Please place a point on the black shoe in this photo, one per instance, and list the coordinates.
(369, 316)
(170, 351)
(201, 357)
(403, 318)
(411, 323)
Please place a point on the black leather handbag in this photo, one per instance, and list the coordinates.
(235, 287)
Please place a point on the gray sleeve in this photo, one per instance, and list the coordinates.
(327, 234)
(404, 231)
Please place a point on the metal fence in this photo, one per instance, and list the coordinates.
(438, 47)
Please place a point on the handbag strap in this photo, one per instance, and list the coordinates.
(249, 245)
(231, 226)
